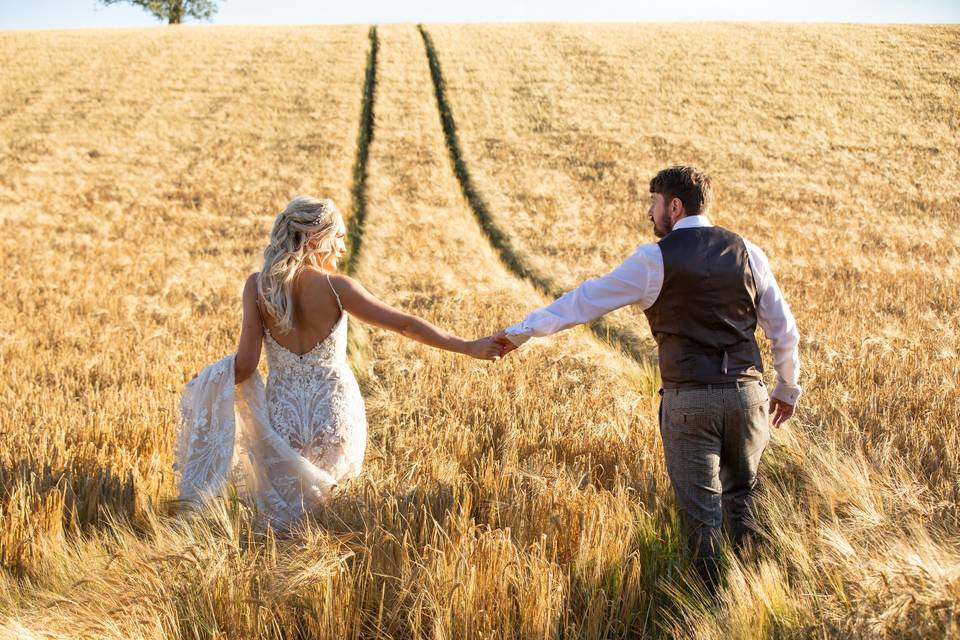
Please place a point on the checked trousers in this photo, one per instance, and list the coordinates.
(713, 437)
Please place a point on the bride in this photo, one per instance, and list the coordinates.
(291, 442)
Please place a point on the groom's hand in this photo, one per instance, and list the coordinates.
(781, 411)
(506, 346)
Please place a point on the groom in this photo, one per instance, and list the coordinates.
(704, 290)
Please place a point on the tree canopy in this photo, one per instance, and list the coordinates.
(173, 11)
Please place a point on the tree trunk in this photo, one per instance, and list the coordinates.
(176, 12)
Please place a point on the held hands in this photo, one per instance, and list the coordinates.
(492, 347)
(506, 346)
(483, 349)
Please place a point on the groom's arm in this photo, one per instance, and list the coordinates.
(637, 280)
(776, 320)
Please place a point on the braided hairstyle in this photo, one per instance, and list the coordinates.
(303, 235)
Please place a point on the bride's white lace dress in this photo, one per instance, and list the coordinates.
(287, 444)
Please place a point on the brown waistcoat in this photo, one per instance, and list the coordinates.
(705, 318)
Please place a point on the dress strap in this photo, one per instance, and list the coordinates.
(335, 293)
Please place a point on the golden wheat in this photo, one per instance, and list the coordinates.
(522, 499)
(139, 172)
(832, 147)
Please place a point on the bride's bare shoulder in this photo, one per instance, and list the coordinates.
(250, 284)
(315, 279)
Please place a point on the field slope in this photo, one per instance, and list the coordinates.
(140, 171)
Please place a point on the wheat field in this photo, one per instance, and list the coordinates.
(140, 171)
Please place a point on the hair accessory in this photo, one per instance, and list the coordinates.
(322, 214)
(326, 205)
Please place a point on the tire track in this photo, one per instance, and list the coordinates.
(358, 341)
(483, 453)
(358, 189)
(620, 338)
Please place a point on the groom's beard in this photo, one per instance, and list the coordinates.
(659, 231)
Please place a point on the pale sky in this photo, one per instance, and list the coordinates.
(55, 14)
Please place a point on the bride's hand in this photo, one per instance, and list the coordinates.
(483, 349)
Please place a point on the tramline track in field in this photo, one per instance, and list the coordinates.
(622, 338)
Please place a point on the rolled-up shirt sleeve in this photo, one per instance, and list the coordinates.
(637, 280)
(778, 324)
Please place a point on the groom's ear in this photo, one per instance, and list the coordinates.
(675, 208)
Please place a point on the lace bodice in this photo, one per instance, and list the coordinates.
(329, 352)
(290, 443)
(314, 401)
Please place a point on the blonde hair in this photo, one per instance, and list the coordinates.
(303, 235)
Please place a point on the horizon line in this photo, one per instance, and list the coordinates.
(198, 24)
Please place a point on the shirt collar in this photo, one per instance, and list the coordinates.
(690, 222)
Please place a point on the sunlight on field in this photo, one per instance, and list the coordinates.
(139, 174)
(832, 147)
(140, 171)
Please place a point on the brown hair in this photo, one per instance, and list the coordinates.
(690, 184)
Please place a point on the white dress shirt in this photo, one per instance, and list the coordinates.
(638, 281)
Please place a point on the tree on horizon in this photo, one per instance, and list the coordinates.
(173, 11)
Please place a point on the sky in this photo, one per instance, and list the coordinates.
(58, 14)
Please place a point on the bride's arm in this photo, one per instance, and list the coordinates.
(251, 334)
(361, 304)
